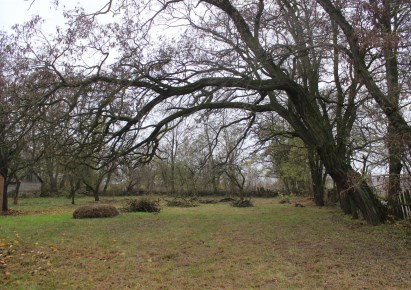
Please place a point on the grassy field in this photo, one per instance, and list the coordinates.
(213, 246)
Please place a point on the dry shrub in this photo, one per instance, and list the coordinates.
(142, 205)
(95, 211)
(181, 202)
(227, 199)
(242, 203)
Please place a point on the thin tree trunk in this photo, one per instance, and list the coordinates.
(73, 189)
(1, 192)
(316, 170)
(394, 190)
(5, 206)
(394, 179)
(287, 185)
(16, 193)
(107, 183)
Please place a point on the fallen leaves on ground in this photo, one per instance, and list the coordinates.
(15, 253)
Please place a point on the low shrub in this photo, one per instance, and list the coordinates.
(95, 211)
(142, 205)
(181, 202)
(242, 203)
(284, 199)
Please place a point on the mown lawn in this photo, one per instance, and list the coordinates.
(213, 246)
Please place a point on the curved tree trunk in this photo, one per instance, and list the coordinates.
(353, 187)
(316, 133)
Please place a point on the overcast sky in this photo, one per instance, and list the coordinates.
(19, 11)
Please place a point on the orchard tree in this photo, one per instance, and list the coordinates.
(18, 115)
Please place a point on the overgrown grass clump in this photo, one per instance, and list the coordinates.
(95, 211)
(142, 205)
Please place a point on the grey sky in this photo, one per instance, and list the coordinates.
(19, 11)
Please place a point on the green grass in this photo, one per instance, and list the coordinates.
(213, 246)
